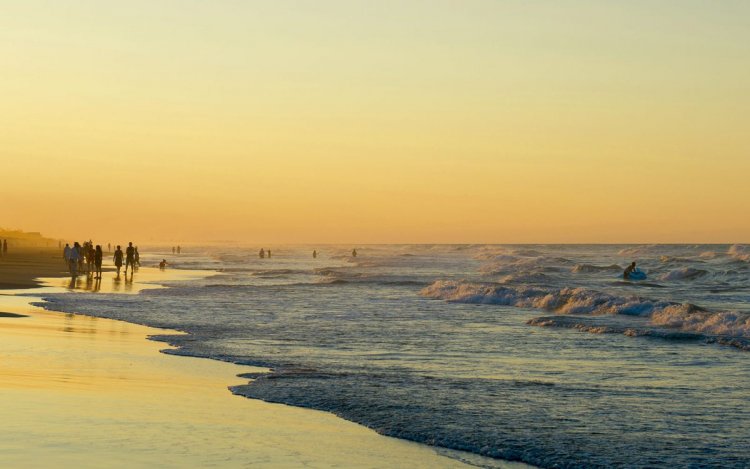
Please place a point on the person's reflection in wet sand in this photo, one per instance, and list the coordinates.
(128, 283)
(97, 284)
(116, 284)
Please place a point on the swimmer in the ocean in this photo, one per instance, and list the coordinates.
(629, 270)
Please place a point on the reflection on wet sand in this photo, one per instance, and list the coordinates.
(144, 278)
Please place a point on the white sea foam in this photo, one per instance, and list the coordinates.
(577, 301)
(726, 323)
(563, 301)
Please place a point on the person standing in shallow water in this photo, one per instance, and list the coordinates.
(354, 253)
(269, 253)
(90, 258)
(117, 259)
(130, 258)
(75, 256)
(98, 261)
(315, 254)
(81, 256)
(66, 255)
(179, 249)
(5, 247)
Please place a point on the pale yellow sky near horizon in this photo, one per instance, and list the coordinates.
(387, 121)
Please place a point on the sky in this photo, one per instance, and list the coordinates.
(382, 121)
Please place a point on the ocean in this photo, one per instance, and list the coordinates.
(533, 353)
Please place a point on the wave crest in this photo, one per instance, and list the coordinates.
(739, 252)
(563, 301)
(725, 323)
(685, 273)
(590, 268)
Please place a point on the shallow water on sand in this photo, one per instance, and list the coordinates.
(80, 391)
(534, 353)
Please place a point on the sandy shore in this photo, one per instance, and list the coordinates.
(91, 392)
(21, 267)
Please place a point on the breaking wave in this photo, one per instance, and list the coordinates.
(589, 268)
(507, 264)
(685, 273)
(577, 301)
(725, 323)
(708, 255)
(588, 325)
(739, 252)
(527, 277)
(563, 301)
(637, 250)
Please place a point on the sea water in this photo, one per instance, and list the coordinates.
(542, 354)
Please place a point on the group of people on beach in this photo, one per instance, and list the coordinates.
(132, 259)
(87, 259)
(176, 249)
(83, 258)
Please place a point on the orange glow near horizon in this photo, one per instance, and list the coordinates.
(369, 122)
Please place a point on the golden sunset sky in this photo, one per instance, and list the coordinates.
(376, 121)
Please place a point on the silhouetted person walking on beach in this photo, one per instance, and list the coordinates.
(66, 255)
(130, 258)
(81, 256)
(109, 247)
(117, 258)
(98, 261)
(90, 253)
(75, 257)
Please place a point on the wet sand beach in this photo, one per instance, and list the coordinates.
(89, 392)
(21, 267)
